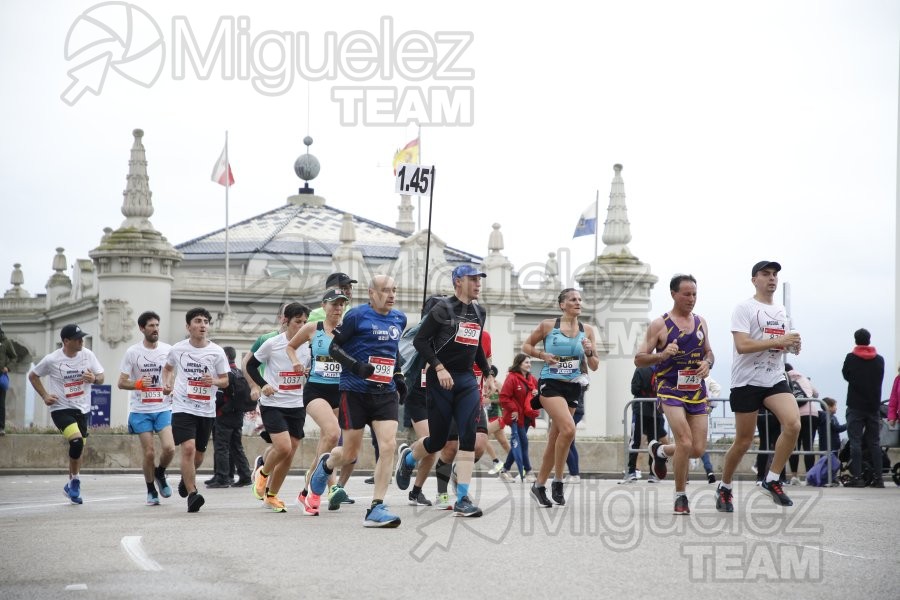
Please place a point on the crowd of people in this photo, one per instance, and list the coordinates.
(342, 366)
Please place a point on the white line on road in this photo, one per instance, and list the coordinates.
(27, 506)
(135, 551)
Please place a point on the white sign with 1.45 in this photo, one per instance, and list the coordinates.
(414, 180)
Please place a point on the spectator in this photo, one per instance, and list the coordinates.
(894, 402)
(228, 450)
(864, 371)
(836, 428)
(645, 421)
(7, 358)
(519, 389)
(803, 389)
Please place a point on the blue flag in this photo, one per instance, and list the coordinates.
(587, 224)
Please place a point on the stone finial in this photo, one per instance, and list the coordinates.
(616, 229)
(348, 230)
(405, 223)
(137, 205)
(59, 261)
(551, 271)
(495, 240)
(18, 277)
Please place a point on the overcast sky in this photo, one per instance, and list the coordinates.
(747, 131)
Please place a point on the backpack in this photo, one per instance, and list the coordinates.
(818, 474)
(239, 392)
(798, 392)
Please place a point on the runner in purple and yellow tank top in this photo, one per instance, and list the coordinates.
(677, 347)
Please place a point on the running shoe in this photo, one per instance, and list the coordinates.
(305, 508)
(573, 479)
(404, 471)
(556, 492)
(465, 508)
(378, 516)
(369, 480)
(710, 478)
(529, 477)
(877, 483)
(659, 464)
(681, 505)
(160, 476)
(336, 497)
(274, 503)
(653, 478)
(777, 493)
(630, 477)
(496, 468)
(182, 489)
(442, 502)
(259, 485)
(318, 482)
(194, 502)
(507, 477)
(152, 498)
(724, 499)
(796, 481)
(539, 493)
(314, 500)
(418, 499)
(73, 490)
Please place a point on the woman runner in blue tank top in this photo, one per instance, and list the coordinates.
(321, 394)
(566, 345)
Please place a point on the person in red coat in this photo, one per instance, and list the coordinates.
(516, 395)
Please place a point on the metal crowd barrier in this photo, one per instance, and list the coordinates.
(627, 422)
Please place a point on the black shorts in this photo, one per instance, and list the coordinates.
(569, 391)
(186, 426)
(326, 391)
(277, 419)
(415, 405)
(359, 409)
(67, 416)
(480, 426)
(750, 398)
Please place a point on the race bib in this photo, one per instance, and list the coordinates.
(289, 380)
(566, 366)
(326, 366)
(773, 332)
(151, 395)
(384, 369)
(468, 334)
(688, 380)
(74, 389)
(198, 390)
(423, 378)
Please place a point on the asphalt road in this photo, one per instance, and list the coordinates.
(609, 540)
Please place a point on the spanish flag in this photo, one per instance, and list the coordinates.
(408, 154)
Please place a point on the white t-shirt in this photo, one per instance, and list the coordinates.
(65, 378)
(190, 394)
(138, 362)
(280, 374)
(761, 322)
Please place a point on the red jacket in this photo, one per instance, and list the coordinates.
(516, 395)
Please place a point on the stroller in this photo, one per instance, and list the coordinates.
(888, 440)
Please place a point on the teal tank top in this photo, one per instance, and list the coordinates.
(324, 369)
(568, 350)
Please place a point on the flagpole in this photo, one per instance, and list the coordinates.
(596, 262)
(227, 254)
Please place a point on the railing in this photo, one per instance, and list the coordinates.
(626, 422)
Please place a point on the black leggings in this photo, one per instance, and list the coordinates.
(462, 403)
(809, 426)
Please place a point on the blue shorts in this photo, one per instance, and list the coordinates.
(152, 421)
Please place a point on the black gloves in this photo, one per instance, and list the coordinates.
(400, 382)
(363, 370)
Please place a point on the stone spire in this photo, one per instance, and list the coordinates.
(405, 223)
(616, 230)
(137, 206)
(59, 286)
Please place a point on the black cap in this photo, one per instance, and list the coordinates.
(72, 332)
(765, 264)
(332, 295)
(338, 279)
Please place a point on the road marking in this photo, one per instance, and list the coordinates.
(135, 551)
(27, 506)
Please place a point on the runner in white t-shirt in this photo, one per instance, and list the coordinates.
(761, 337)
(199, 368)
(280, 404)
(70, 371)
(149, 403)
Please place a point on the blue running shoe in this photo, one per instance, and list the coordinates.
(378, 516)
(152, 499)
(73, 491)
(404, 471)
(160, 475)
(318, 483)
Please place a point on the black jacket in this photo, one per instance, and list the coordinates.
(864, 372)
